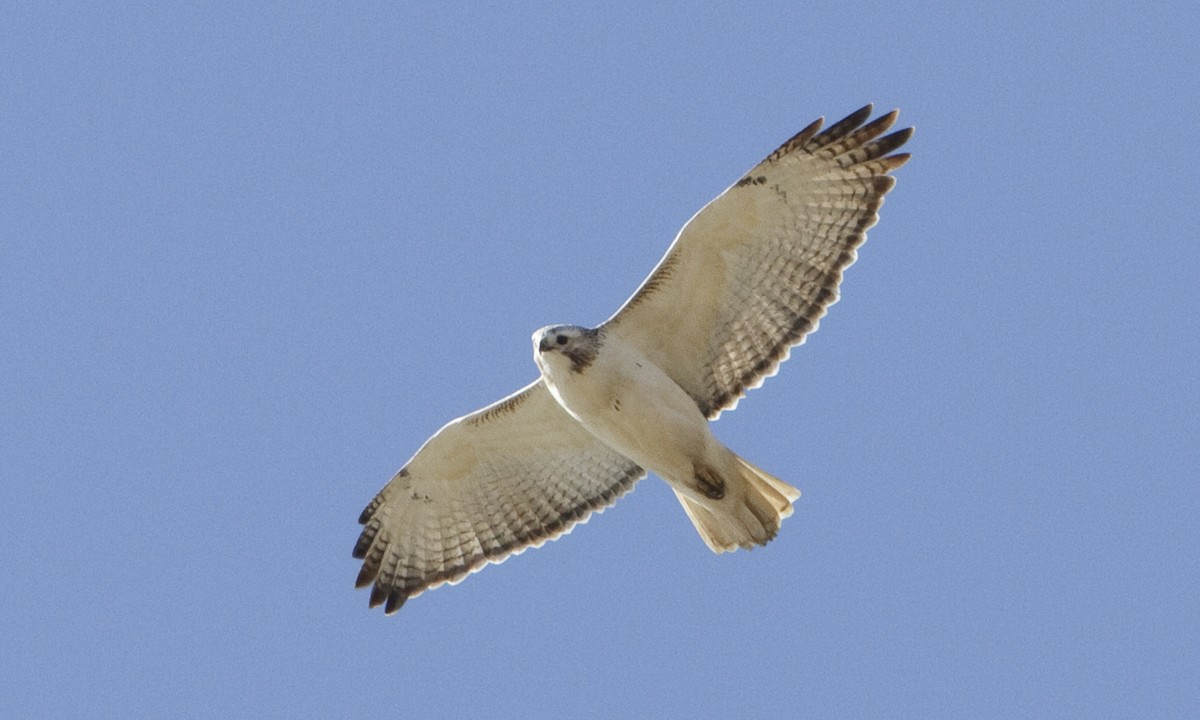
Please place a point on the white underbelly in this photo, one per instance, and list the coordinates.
(637, 410)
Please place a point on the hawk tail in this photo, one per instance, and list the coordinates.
(753, 506)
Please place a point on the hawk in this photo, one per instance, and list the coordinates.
(746, 279)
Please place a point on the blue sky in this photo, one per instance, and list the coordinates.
(252, 255)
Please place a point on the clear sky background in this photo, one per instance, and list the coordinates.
(253, 254)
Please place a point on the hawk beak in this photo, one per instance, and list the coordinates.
(544, 344)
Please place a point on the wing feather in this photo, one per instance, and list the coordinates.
(486, 486)
(752, 273)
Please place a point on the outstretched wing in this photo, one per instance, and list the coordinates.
(750, 275)
(490, 484)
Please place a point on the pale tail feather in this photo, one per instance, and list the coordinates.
(750, 513)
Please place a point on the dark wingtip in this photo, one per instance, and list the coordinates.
(842, 128)
(395, 601)
(852, 121)
(898, 160)
(378, 595)
(366, 576)
(881, 124)
(888, 143)
(807, 133)
(798, 140)
(860, 114)
(365, 540)
(392, 599)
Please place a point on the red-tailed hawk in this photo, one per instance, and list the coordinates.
(748, 277)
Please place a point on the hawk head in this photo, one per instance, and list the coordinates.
(575, 345)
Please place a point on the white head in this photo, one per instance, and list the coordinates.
(566, 346)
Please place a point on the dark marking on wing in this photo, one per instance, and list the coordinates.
(657, 280)
(801, 138)
(396, 590)
(787, 269)
(806, 314)
(378, 500)
(500, 409)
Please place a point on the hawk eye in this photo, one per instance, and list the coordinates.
(561, 339)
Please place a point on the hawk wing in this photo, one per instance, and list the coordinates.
(750, 275)
(487, 485)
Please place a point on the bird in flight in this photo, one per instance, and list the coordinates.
(746, 279)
